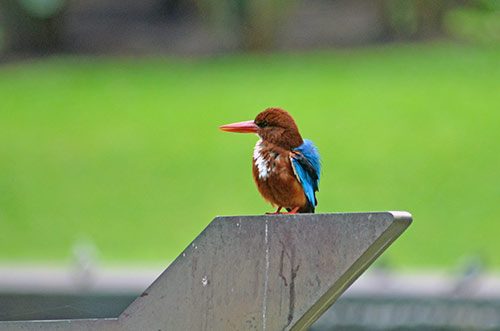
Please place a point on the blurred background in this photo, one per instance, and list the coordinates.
(111, 161)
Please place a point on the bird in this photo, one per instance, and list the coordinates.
(285, 167)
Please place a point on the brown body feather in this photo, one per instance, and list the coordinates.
(281, 187)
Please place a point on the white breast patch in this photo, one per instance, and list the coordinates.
(261, 163)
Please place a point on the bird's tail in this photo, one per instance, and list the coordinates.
(308, 208)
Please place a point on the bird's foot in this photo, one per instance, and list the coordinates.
(293, 211)
(276, 212)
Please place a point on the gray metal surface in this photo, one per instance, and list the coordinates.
(278, 272)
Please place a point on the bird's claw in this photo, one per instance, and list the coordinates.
(293, 211)
(276, 212)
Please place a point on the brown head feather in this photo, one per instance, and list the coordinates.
(277, 126)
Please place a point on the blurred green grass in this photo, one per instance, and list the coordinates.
(126, 152)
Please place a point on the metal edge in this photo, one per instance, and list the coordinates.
(398, 215)
(401, 221)
(402, 216)
(128, 312)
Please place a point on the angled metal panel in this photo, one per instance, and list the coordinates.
(269, 272)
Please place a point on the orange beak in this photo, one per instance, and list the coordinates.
(242, 127)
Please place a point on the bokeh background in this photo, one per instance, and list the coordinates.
(109, 147)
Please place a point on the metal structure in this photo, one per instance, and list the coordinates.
(269, 272)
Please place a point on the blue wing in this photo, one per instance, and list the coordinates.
(307, 166)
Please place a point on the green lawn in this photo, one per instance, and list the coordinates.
(126, 152)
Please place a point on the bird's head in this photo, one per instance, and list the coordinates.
(273, 125)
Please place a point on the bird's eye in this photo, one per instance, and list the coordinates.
(262, 124)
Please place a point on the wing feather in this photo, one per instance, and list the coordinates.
(307, 167)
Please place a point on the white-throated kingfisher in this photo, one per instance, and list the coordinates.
(286, 168)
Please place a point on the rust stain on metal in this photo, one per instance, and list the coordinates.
(281, 267)
(289, 282)
(291, 308)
